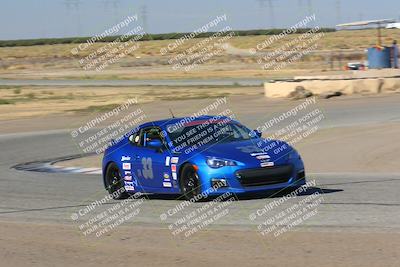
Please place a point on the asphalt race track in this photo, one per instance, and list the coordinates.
(353, 200)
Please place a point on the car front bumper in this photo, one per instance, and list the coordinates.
(236, 180)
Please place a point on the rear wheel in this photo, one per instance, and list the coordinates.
(189, 182)
(115, 183)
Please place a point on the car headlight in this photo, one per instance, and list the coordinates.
(294, 155)
(218, 162)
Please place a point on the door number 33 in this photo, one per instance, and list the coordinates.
(147, 170)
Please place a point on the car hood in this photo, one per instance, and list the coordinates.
(249, 150)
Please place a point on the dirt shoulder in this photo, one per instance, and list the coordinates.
(35, 245)
(19, 102)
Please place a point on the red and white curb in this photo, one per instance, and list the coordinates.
(48, 166)
(76, 170)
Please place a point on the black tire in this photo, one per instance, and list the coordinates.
(189, 182)
(114, 182)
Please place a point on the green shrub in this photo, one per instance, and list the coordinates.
(161, 36)
(31, 95)
(5, 102)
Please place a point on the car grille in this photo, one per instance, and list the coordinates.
(265, 176)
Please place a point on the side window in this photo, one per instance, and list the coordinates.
(150, 134)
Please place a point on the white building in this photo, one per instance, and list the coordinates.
(393, 25)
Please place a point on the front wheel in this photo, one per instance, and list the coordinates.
(114, 182)
(189, 182)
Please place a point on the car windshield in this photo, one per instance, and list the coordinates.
(206, 132)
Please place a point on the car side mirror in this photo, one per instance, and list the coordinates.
(156, 144)
(134, 139)
(257, 133)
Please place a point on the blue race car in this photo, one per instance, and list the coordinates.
(192, 156)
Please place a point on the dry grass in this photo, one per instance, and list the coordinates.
(41, 101)
(57, 62)
(360, 39)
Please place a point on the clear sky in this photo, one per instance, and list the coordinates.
(24, 19)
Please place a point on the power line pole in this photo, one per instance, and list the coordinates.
(262, 5)
(338, 12)
(74, 6)
(261, 8)
(143, 14)
(272, 13)
(114, 5)
(361, 16)
(310, 9)
(302, 6)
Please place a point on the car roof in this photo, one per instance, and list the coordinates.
(161, 123)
